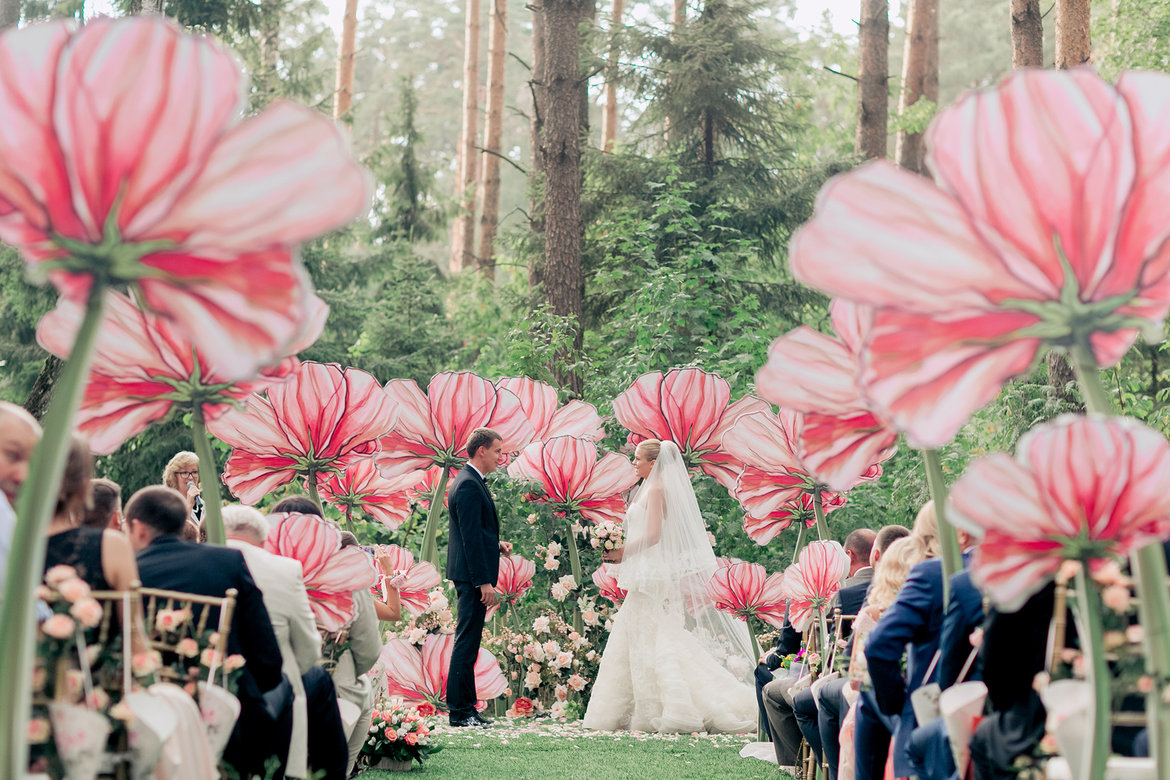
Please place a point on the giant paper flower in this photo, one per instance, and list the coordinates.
(745, 590)
(773, 475)
(358, 485)
(813, 580)
(574, 479)
(432, 429)
(690, 407)
(605, 578)
(1045, 225)
(306, 426)
(515, 577)
(420, 674)
(144, 368)
(106, 175)
(762, 530)
(1079, 488)
(421, 576)
(539, 400)
(331, 573)
(815, 374)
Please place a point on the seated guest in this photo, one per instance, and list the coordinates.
(297, 505)
(915, 620)
(317, 737)
(155, 517)
(19, 434)
(105, 509)
(783, 720)
(828, 698)
(103, 558)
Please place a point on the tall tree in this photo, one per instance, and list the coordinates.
(1073, 45)
(343, 94)
(560, 162)
(1027, 34)
(873, 73)
(9, 14)
(539, 91)
(610, 110)
(919, 76)
(489, 183)
(463, 228)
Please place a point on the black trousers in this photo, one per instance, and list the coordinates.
(461, 695)
(831, 709)
(328, 748)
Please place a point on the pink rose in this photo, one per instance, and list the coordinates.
(1116, 598)
(38, 730)
(87, 611)
(187, 647)
(233, 662)
(577, 682)
(73, 589)
(58, 574)
(411, 739)
(58, 626)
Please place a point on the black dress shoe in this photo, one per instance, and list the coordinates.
(470, 721)
(481, 720)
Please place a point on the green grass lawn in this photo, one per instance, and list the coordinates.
(545, 750)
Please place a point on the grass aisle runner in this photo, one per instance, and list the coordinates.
(547, 750)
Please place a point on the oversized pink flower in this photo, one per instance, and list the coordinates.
(420, 674)
(145, 368)
(745, 590)
(304, 427)
(423, 491)
(576, 418)
(813, 580)
(358, 485)
(1089, 489)
(1043, 226)
(606, 581)
(421, 576)
(105, 175)
(690, 407)
(331, 573)
(773, 474)
(574, 479)
(432, 429)
(815, 374)
(516, 573)
(762, 530)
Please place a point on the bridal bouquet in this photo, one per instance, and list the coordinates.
(606, 535)
(400, 733)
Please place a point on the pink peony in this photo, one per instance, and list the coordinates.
(58, 627)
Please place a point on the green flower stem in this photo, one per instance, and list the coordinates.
(429, 551)
(575, 566)
(209, 478)
(819, 511)
(1149, 569)
(26, 558)
(349, 519)
(756, 651)
(311, 481)
(799, 541)
(1089, 599)
(824, 633)
(952, 556)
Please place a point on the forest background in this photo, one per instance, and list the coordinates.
(728, 120)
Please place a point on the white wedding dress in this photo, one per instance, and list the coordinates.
(673, 663)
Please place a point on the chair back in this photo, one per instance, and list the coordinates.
(172, 616)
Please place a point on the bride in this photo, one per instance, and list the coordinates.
(673, 662)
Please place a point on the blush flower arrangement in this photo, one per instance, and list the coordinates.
(400, 734)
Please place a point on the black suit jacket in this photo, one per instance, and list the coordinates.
(964, 614)
(473, 552)
(209, 570)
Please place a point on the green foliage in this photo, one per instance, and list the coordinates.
(915, 118)
(1131, 35)
(21, 307)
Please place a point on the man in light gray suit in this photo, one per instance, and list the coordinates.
(315, 739)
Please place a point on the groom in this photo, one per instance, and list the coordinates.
(473, 564)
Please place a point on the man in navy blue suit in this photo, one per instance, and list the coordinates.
(473, 564)
(155, 516)
(910, 627)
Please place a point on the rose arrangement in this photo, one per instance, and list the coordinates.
(400, 732)
(606, 535)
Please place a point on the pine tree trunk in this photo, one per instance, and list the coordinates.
(560, 150)
(493, 130)
(679, 16)
(1027, 34)
(343, 96)
(42, 389)
(155, 7)
(536, 167)
(9, 14)
(873, 75)
(1073, 46)
(919, 76)
(265, 79)
(609, 113)
(463, 229)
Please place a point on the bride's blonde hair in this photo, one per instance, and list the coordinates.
(650, 448)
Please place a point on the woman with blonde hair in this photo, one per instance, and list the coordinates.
(182, 474)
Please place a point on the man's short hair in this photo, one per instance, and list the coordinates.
(301, 505)
(888, 535)
(480, 438)
(239, 519)
(159, 507)
(860, 542)
(106, 497)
